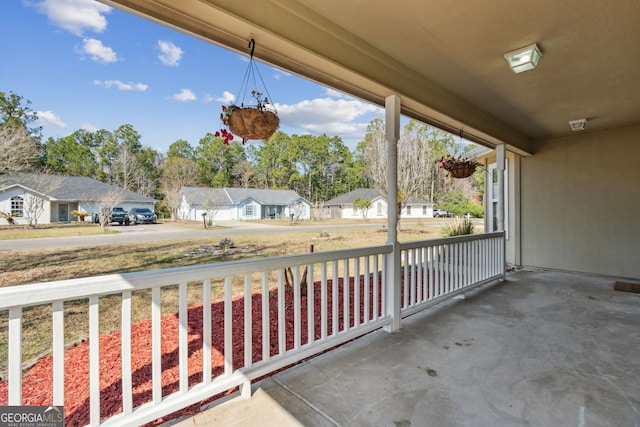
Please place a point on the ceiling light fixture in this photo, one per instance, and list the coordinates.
(577, 125)
(523, 59)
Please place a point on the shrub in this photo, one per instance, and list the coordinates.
(458, 227)
(226, 243)
(80, 214)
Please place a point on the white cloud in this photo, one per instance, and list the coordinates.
(278, 74)
(49, 118)
(75, 16)
(336, 94)
(89, 127)
(170, 54)
(327, 115)
(97, 51)
(138, 87)
(227, 98)
(185, 95)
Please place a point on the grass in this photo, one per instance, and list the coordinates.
(45, 265)
(10, 232)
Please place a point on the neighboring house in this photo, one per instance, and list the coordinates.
(241, 204)
(342, 206)
(60, 196)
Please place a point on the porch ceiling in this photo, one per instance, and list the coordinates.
(445, 59)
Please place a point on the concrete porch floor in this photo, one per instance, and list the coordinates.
(539, 349)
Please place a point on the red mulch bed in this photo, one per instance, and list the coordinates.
(37, 383)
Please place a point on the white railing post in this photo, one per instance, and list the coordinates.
(14, 363)
(58, 353)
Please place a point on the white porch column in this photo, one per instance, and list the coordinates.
(392, 126)
(500, 164)
(500, 156)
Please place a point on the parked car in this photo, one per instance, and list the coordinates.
(439, 213)
(142, 216)
(118, 215)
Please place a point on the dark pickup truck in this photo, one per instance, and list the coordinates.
(118, 215)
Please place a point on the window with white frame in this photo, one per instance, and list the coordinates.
(17, 206)
(424, 209)
(379, 209)
(408, 209)
(249, 210)
(492, 199)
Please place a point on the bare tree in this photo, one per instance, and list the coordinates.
(177, 173)
(127, 167)
(375, 156)
(298, 210)
(105, 203)
(44, 185)
(18, 152)
(211, 205)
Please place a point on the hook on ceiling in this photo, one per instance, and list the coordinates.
(252, 45)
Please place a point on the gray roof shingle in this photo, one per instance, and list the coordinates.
(366, 193)
(232, 196)
(74, 188)
(198, 195)
(350, 197)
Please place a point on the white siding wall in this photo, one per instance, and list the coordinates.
(5, 204)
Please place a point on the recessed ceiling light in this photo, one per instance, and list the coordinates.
(577, 125)
(523, 59)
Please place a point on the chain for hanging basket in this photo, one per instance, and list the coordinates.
(258, 121)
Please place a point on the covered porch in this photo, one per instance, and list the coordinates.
(538, 349)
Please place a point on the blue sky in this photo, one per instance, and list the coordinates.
(84, 65)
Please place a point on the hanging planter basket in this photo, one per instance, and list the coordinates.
(462, 171)
(252, 123)
(460, 166)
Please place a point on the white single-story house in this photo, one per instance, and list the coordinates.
(59, 196)
(241, 204)
(342, 206)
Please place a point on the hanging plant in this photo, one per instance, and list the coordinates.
(460, 166)
(258, 120)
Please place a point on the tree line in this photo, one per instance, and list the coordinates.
(318, 168)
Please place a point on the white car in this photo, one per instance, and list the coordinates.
(442, 213)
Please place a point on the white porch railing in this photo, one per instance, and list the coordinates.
(435, 270)
(261, 325)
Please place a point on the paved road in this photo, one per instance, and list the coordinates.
(157, 232)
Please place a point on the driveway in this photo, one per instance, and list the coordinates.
(159, 232)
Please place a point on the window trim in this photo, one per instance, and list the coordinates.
(17, 206)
